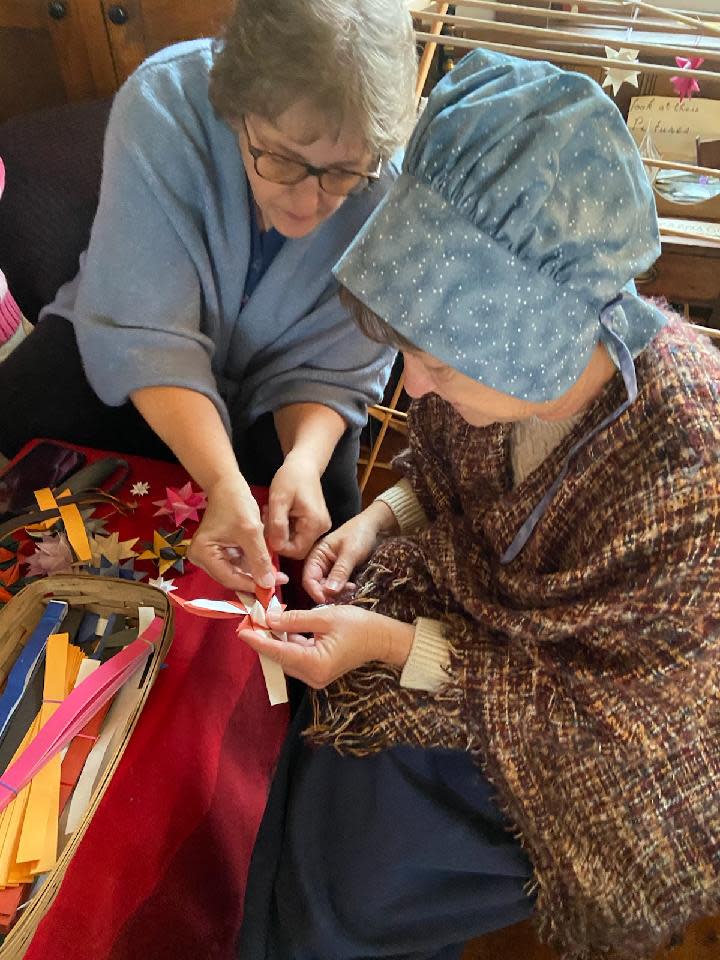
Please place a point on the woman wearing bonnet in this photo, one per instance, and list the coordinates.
(516, 710)
(204, 323)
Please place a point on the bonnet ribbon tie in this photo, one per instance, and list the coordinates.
(627, 369)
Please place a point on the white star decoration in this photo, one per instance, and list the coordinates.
(140, 489)
(167, 586)
(616, 78)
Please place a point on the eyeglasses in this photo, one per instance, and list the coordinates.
(333, 180)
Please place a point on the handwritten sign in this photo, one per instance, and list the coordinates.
(673, 125)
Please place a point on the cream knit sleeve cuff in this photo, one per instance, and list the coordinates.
(426, 667)
(405, 505)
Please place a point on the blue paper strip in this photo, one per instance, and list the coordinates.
(28, 660)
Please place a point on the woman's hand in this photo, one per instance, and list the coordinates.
(344, 638)
(230, 544)
(297, 514)
(332, 560)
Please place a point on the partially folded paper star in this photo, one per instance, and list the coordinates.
(615, 77)
(247, 610)
(140, 489)
(112, 548)
(181, 504)
(168, 550)
(251, 615)
(167, 586)
(685, 87)
(53, 554)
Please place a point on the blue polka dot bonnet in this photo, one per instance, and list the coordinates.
(521, 213)
(508, 245)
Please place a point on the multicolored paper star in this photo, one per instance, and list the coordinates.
(685, 87)
(121, 571)
(181, 504)
(168, 549)
(112, 548)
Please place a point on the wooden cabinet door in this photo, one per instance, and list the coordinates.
(137, 28)
(51, 51)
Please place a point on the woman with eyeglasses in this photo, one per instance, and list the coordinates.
(204, 322)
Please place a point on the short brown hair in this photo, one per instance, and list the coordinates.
(353, 60)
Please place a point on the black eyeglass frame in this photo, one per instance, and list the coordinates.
(310, 171)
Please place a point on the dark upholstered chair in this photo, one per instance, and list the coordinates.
(53, 161)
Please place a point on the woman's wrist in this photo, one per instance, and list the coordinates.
(397, 640)
(306, 456)
(382, 518)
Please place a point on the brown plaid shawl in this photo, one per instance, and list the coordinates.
(584, 675)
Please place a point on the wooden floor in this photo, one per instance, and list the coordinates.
(702, 942)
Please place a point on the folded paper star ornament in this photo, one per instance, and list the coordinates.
(181, 504)
(168, 549)
(686, 86)
(615, 77)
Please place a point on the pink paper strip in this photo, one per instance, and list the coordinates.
(75, 711)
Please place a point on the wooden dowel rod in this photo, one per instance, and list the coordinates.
(687, 234)
(697, 22)
(537, 53)
(396, 413)
(381, 435)
(566, 36)
(624, 4)
(592, 19)
(427, 55)
(684, 167)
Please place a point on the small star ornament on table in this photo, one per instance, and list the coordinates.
(615, 77)
(167, 586)
(140, 489)
(181, 504)
(53, 554)
(169, 549)
(112, 548)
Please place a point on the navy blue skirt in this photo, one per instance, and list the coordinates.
(403, 854)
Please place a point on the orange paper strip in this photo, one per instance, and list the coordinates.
(70, 516)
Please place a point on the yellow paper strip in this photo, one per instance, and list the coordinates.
(38, 842)
(16, 811)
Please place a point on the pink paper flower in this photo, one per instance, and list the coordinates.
(685, 87)
(182, 504)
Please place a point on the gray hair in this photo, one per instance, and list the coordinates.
(353, 60)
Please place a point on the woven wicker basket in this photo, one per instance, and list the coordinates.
(104, 596)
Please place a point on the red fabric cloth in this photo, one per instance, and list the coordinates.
(161, 870)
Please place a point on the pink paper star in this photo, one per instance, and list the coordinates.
(182, 504)
(52, 555)
(685, 87)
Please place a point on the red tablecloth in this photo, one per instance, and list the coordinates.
(160, 873)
